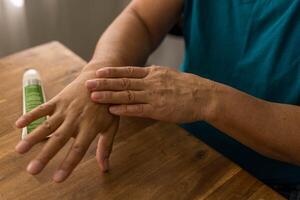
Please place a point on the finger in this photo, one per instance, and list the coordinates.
(40, 133)
(122, 72)
(74, 156)
(115, 84)
(38, 112)
(53, 145)
(105, 144)
(135, 110)
(124, 97)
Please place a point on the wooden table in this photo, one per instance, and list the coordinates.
(151, 160)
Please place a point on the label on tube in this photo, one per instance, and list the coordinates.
(33, 96)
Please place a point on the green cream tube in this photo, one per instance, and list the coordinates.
(33, 96)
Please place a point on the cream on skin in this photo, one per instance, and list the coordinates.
(269, 128)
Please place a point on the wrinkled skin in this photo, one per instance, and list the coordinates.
(71, 114)
(159, 93)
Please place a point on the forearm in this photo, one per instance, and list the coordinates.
(271, 129)
(125, 42)
(135, 33)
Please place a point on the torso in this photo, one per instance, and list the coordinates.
(254, 46)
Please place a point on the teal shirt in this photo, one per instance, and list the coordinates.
(251, 45)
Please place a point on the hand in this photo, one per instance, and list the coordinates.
(159, 93)
(72, 114)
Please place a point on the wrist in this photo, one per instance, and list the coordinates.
(219, 97)
(96, 63)
(210, 104)
(89, 70)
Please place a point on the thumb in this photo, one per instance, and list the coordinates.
(104, 146)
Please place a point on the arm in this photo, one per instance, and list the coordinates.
(129, 40)
(271, 129)
(132, 37)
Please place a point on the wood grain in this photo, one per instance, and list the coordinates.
(150, 160)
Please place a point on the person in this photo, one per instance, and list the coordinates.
(238, 91)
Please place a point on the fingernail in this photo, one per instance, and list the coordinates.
(22, 146)
(91, 84)
(105, 165)
(34, 167)
(59, 175)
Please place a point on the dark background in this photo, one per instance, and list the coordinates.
(76, 23)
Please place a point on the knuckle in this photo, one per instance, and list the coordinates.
(110, 71)
(51, 106)
(42, 107)
(47, 125)
(107, 95)
(46, 106)
(130, 70)
(125, 108)
(130, 96)
(140, 109)
(44, 157)
(103, 82)
(78, 149)
(143, 82)
(28, 116)
(59, 100)
(59, 138)
(125, 83)
(154, 68)
(51, 103)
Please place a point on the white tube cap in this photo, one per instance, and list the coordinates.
(31, 76)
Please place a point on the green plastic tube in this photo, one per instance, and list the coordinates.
(33, 96)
